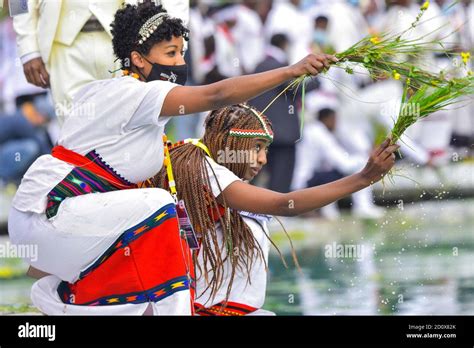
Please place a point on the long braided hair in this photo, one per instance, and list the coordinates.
(190, 165)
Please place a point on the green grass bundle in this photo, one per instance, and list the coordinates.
(394, 56)
(420, 102)
(431, 92)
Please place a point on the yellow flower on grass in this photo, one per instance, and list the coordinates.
(469, 73)
(425, 6)
(6, 272)
(395, 75)
(375, 40)
(465, 57)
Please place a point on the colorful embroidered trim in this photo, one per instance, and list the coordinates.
(231, 309)
(147, 263)
(97, 159)
(98, 177)
(152, 295)
(253, 133)
(163, 214)
(249, 133)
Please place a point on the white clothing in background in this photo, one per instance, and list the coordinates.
(227, 55)
(320, 151)
(12, 79)
(249, 37)
(285, 18)
(376, 103)
(346, 24)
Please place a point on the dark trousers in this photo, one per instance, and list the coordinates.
(321, 178)
(20, 144)
(280, 165)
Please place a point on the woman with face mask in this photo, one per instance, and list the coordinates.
(108, 246)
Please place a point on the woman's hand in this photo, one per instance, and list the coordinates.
(381, 160)
(312, 64)
(192, 99)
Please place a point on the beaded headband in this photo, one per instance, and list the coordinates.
(150, 26)
(253, 133)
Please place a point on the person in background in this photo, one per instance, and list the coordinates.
(347, 24)
(249, 35)
(263, 9)
(283, 115)
(286, 17)
(12, 78)
(320, 35)
(227, 55)
(321, 159)
(373, 12)
(459, 18)
(23, 136)
(27, 116)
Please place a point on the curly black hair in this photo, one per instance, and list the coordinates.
(127, 23)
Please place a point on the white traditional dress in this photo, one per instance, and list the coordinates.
(246, 297)
(110, 247)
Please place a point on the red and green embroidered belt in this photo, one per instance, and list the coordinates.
(147, 263)
(90, 174)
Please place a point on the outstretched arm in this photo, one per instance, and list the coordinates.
(242, 196)
(187, 100)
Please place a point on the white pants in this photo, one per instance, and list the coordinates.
(88, 59)
(83, 229)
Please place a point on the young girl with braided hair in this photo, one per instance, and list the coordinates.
(229, 215)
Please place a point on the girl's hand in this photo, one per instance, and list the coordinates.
(380, 162)
(312, 64)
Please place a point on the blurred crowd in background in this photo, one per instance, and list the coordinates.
(345, 114)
